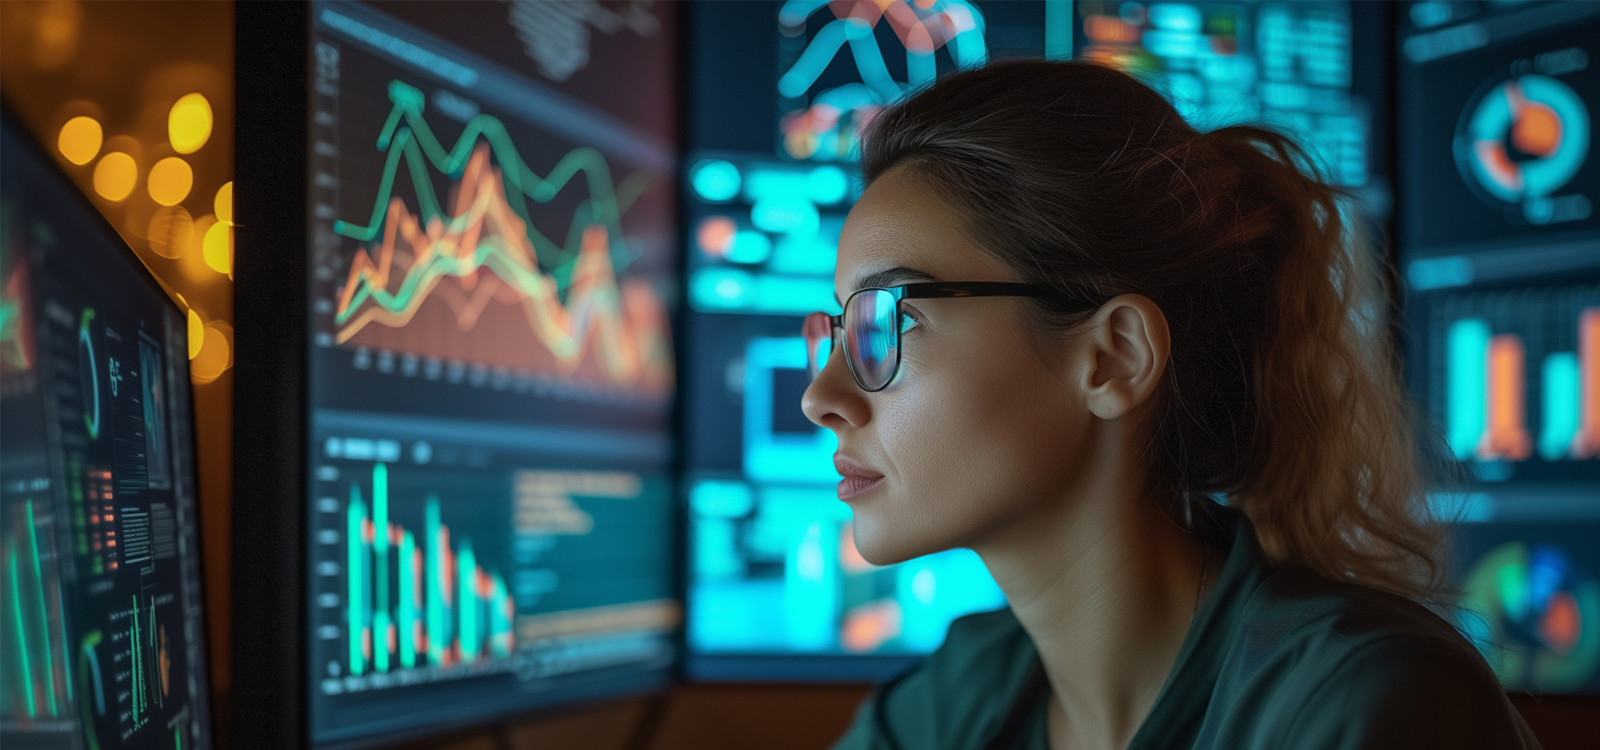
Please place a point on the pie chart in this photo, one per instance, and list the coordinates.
(1535, 617)
(1523, 138)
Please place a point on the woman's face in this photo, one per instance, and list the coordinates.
(984, 420)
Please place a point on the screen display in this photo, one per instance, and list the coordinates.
(103, 639)
(1502, 248)
(1531, 602)
(1501, 258)
(492, 270)
(1501, 121)
(776, 589)
(1285, 65)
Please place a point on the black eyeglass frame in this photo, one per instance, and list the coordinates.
(930, 290)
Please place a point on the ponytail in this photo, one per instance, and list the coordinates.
(1336, 481)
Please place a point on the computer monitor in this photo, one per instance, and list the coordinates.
(473, 292)
(776, 590)
(1500, 248)
(104, 633)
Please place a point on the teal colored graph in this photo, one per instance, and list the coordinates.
(406, 136)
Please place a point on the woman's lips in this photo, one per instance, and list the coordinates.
(851, 486)
(858, 479)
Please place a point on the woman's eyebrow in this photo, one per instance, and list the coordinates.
(892, 276)
(888, 277)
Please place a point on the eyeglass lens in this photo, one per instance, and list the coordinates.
(872, 340)
(818, 332)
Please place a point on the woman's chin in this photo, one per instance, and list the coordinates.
(882, 549)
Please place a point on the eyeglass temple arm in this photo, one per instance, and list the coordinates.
(938, 289)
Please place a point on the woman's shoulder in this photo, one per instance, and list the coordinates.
(954, 697)
(1318, 658)
(1296, 610)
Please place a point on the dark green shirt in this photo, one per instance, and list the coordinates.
(1277, 657)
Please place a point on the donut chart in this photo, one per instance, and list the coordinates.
(1523, 138)
(1535, 617)
(88, 379)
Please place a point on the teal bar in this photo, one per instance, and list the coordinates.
(354, 512)
(408, 602)
(467, 602)
(22, 634)
(497, 615)
(150, 630)
(1058, 29)
(380, 568)
(380, 641)
(44, 613)
(138, 666)
(435, 586)
(1560, 423)
(1466, 385)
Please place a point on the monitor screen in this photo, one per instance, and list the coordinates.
(776, 95)
(491, 270)
(103, 639)
(1500, 254)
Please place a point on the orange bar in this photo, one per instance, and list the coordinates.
(449, 566)
(1507, 437)
(1587, 443)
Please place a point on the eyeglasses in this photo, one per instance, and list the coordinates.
(872, 322)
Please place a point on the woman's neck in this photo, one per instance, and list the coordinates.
(1106, 586)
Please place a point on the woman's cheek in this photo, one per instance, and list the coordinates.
(995, 423)
(956, 438)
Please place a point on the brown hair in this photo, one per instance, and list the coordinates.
(1282, 390)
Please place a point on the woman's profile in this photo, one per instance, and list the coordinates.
(1141, 372)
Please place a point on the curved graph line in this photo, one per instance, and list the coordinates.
(92, 424)
(87, 656)
(952, 24)
(416, 143)
(578, 306)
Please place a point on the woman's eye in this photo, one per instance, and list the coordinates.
(907, 322)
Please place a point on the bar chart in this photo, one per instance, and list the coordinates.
(416, 600)
(1516, 375)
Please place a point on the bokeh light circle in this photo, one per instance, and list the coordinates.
(80, 139)
(218, 247)
(223, 203)
(197, 332)
(170, 231)
(189, 123)
(216, 351)
(170, 181)
(115, 176)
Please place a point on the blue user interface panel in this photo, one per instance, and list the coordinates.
(491, 274)
(1286, 65)
(776, 589)
(1501, 257)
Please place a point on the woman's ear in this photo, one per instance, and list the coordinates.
(1126, 345)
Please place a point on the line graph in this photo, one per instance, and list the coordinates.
(825, 126)
(473, 278)
(16, 324)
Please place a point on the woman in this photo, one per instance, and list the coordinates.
(1071, 321)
